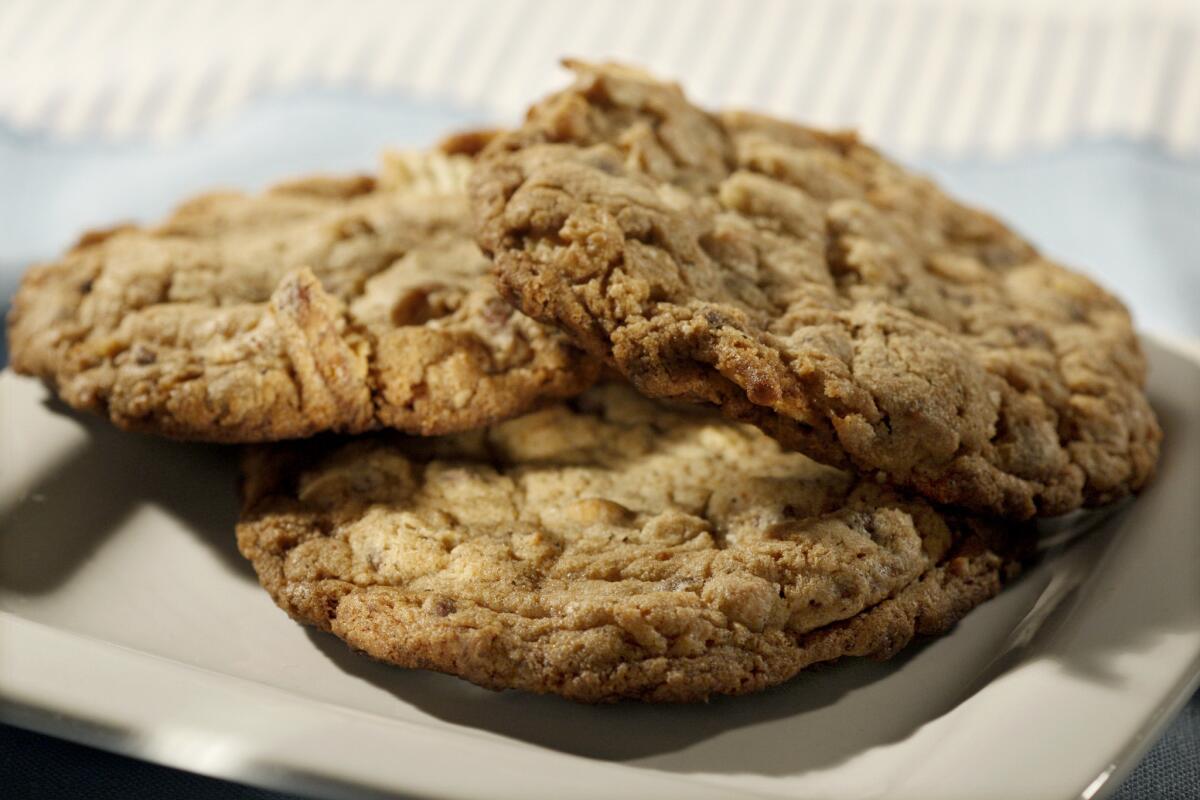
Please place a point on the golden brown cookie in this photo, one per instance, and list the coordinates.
(606, 547)
(805, 283)
(338, 304)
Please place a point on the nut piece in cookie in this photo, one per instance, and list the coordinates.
(805, 283)
(611, 547)
(341, 304)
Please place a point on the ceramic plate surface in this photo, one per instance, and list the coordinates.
(129, 621)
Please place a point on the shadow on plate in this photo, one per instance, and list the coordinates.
(682, 738)
(75, 505)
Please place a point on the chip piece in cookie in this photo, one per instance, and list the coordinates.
(606, 547)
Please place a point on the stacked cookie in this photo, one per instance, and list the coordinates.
(634, 401)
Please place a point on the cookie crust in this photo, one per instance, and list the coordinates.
(604, 549)
(325, 303)
(808, 285)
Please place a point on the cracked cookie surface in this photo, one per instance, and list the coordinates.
(605, 547)
(806, 284)
(325, 303)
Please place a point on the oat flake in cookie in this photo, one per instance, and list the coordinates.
(608, 547)
(807, 284)
(323, 304)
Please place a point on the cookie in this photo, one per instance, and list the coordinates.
(340, 304)
(606, 547)
(805, 283)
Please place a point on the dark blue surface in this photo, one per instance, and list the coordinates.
(1129, 214)
(34, 766)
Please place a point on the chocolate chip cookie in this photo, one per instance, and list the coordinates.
(606, 547)
(340, 304)
(805, 283)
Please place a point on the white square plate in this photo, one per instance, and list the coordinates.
(129, 621)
